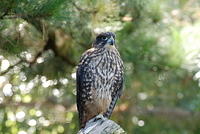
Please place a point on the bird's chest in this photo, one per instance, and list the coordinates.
(104, 68)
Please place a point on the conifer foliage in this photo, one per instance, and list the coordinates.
(41, 42)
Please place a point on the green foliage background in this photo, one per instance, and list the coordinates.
(41, 42)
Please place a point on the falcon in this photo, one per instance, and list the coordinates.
(99, 79)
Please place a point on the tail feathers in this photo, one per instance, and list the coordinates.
(109, 111)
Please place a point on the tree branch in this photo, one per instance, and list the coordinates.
(11, 67)
(5, 13)
(94, 11)
(168, 112)
(23, 16)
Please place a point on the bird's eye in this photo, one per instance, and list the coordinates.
(104, 38)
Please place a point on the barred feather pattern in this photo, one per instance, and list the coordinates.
(99, 82)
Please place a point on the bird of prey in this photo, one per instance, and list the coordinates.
(99, 79)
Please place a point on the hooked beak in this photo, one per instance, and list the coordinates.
(111, 41)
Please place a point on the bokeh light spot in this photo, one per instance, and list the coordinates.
(141, 123)
(22, 132)
(20, 115)
(7, 90)
(32, 122)
(4, 65)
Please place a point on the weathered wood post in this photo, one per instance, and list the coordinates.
(101, 125)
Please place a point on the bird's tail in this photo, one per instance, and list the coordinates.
(109, 111)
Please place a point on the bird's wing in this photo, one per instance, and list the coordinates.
(117, 87)
(84, 84)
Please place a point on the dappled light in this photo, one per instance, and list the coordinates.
(41, 42)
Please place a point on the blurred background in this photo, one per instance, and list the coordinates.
(41, 42)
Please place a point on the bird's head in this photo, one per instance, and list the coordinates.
(104, 40)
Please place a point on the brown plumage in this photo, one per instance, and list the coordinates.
(99, 79)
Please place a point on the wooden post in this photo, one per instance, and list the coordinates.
(101, 125)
